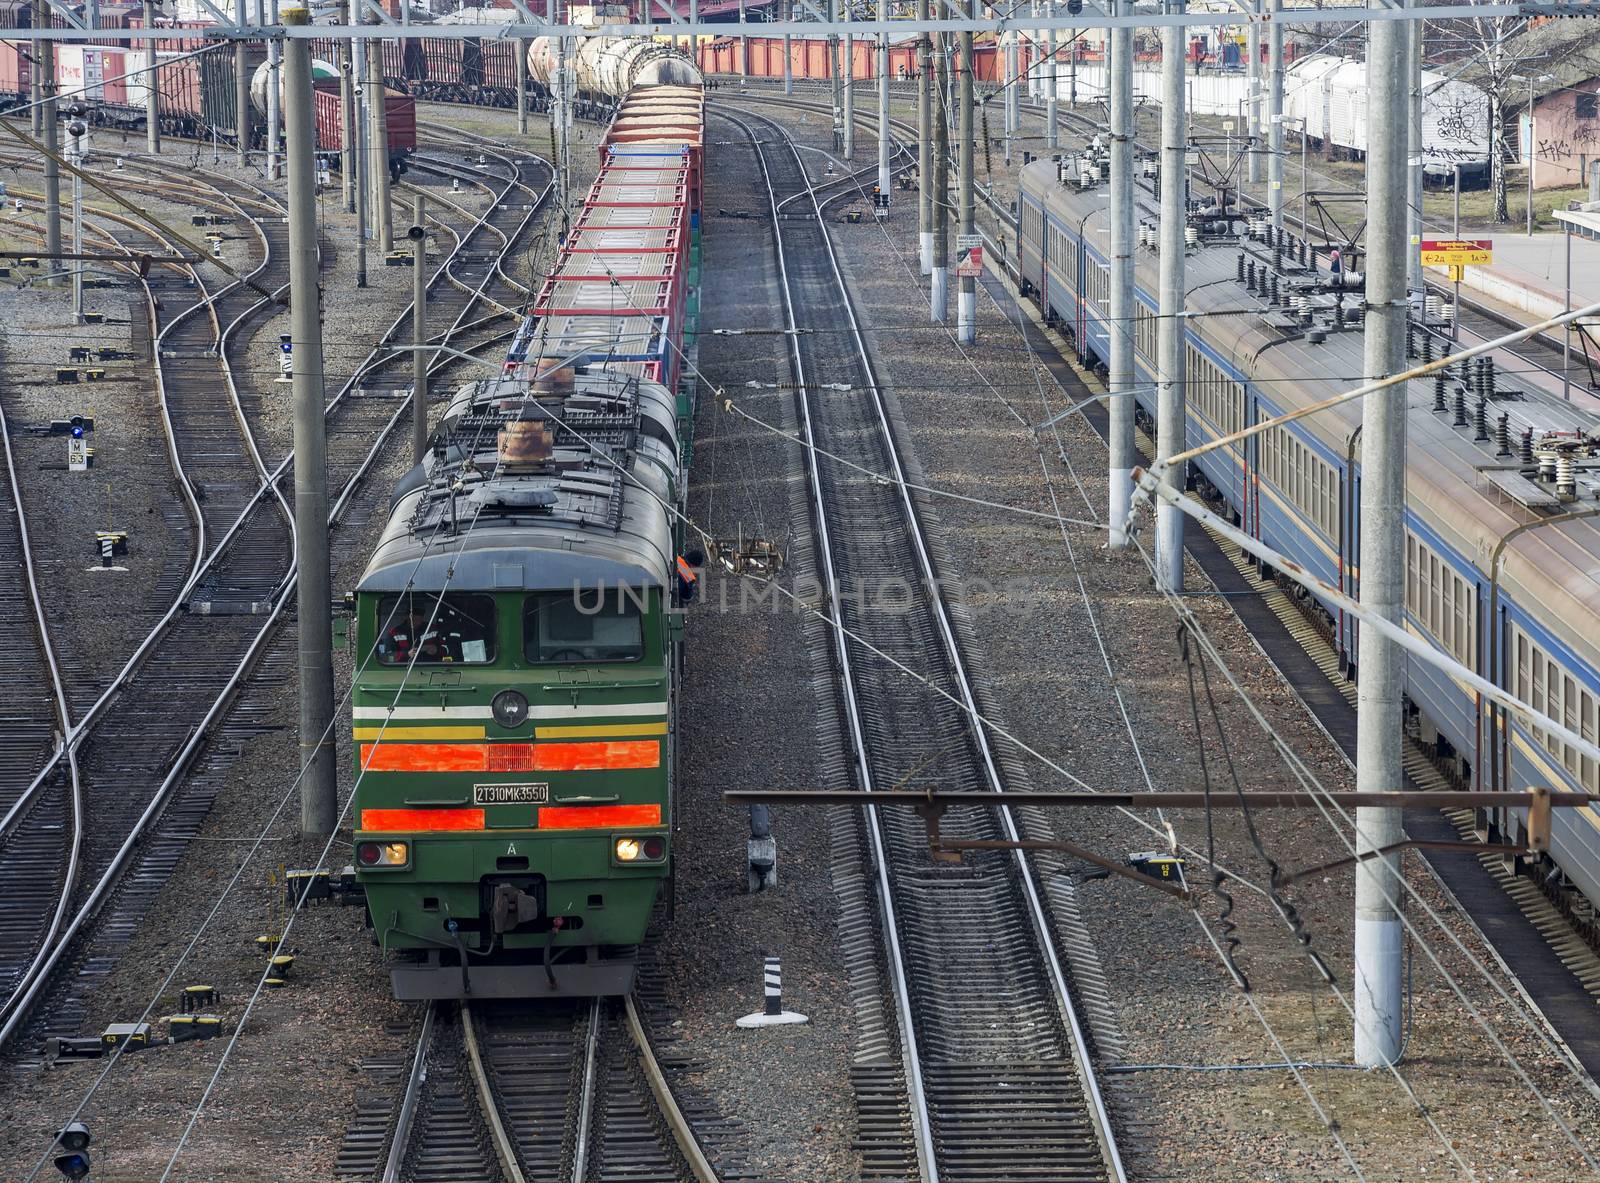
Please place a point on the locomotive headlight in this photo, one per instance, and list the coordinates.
(510, 709)
(383, 854)
(628, 849)
(645, 848)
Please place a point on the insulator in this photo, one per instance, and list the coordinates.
(1274, 282)
(1461, 406)
(1427, 348)
(1547, 467)
(1305, 253)
(1440, 380)
(1191, 236)
(1480, 422)
(1411, 338)
(1338, 312)
(1527, 445)
(1488, 376)
(1566, 476)
(1239, 267)
(1502, 436)
(1250, 275)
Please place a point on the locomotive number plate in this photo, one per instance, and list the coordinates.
(534, 794)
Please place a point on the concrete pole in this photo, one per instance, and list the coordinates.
(363, 190)
(318, 796)
(51, 139)
(1121, 442)
(1052, 94)
(1275, 123)
(1171, 429)
(836, 79)
(1252, 126)
(39, 18)
(348, 166)
(925, 141)
(522, 86)
(561, 115)
(1382, 663)
(788, 55)
(1414, 281)
(883, 101)
(967, 297)
(274, 98)
(241, 90)
(378, 148)
(152, 115)
(848, 80)
(419, 329)
(1013, 90)
(940, 289)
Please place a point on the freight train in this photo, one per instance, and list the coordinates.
(196, 94)
(519, 625)
(1495, 577)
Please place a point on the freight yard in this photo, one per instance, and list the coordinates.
(771, 593)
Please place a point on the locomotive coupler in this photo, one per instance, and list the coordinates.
(512, 908)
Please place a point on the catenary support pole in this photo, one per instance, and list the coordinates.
(152, 114)
(241, 90)
(848, 80)
(274, 98)
(925, 165)
(788, 51)
(1121, 441)
(1170, 412)
(1415, 282)
(318, 798)
(1052, 93)
(522, 86)
(419, 329)
(51, 138)
(40, 19)
(378, 148)
(1252, 122)
(363, 191)
(883, 100)
(348, 166)
(941, 187)
(1275, 123)
(834, 80)
(967, 296)
(76, 131)
(1383, 489)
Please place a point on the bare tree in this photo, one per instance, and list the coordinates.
(1498, 55)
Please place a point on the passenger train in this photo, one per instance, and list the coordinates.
(1496, 576)
(519, 624)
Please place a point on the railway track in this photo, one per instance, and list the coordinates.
(982, 998)
(534, 1093)
(172, 711)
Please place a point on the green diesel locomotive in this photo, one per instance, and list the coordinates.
(513, 712)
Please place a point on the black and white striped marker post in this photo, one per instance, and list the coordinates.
(774, 1015)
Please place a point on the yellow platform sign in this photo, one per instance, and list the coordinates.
(1457, 252)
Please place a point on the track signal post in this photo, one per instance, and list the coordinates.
(319, 779)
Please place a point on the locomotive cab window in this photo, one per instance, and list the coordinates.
(454, 629)
(583, 626)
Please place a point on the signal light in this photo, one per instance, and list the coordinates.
(74, 1139)
(77, 427)
(1075, 7)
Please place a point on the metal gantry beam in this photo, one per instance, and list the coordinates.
(533, 26)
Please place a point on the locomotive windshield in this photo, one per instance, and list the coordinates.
(456, 629)
(582, 626)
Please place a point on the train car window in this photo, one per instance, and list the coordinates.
(421, 626)
(583, 626)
